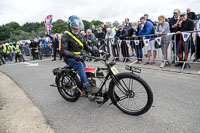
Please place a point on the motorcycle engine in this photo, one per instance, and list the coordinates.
(92, 81)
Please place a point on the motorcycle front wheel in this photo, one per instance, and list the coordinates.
(131, 94)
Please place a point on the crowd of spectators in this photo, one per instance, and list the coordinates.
(135, 39)
(115, 41)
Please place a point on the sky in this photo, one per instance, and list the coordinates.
(23, 11)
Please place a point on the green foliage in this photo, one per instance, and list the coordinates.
(97, 23)
(20, 35)
(59, 26)
(14, 32)
(87, 25)
(116, 23)
(108, 24)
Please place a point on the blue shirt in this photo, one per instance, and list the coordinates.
(147, 29)
(44, 42)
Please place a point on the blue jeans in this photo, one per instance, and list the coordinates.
(79, 67)
(138, 52)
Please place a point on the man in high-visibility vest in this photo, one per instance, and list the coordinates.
(11, 50)
(6, 52)
(18, 53)
(72, 47)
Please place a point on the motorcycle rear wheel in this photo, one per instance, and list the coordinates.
(66, 87)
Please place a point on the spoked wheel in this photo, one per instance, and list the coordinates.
(67, 88)
(131, 94)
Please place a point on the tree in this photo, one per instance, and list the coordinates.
(12, 26)
(59, 26)
(19, 35)
(97, 23)
(108, 24)
(7, 29)
(116, 23)
(87, 24)
(29, 27)
(4, 33)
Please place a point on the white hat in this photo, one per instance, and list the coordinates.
(7, 44)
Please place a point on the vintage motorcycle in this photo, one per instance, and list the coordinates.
(126, 90)
(36, 53)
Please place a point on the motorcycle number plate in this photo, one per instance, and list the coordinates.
(114, 70)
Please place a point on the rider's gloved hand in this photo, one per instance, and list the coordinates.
(77, 57)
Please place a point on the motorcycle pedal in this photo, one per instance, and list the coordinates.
(99, 99)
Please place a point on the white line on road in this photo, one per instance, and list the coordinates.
(29, 62)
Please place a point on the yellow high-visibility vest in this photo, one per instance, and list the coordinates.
(77, 40)
(17, 49)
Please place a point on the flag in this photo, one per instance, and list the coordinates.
(137, 42)
(112, 41)
(158, 40)
(185, 36)
(48, 24)
(146, 42)
(119, 42)
(128, 42)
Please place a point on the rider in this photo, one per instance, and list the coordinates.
(72, 47)
(34, 45)
(18, 52)
(6, 52)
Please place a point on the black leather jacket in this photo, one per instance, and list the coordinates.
(69, 45)
(34, 45)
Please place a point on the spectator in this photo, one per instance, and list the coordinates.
(197, 54)
(55, 43)
(103, 28)
(147, 18)
(128, 27)
(173, 23)
(146, 28)
(121, 35)
(94, 31)
(109, 36)
(163, 28)
(191, 15)
(91, 39)
(138, 48)
(84, 37)
(100, 39)
(114, 29)
(43, 45)
(59, 48)
(184, 24)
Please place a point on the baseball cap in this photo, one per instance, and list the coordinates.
(176, 10)
(120, 26)
(183, 13)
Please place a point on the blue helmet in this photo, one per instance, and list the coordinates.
(75, 22)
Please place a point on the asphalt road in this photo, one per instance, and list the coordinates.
(176, 106)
